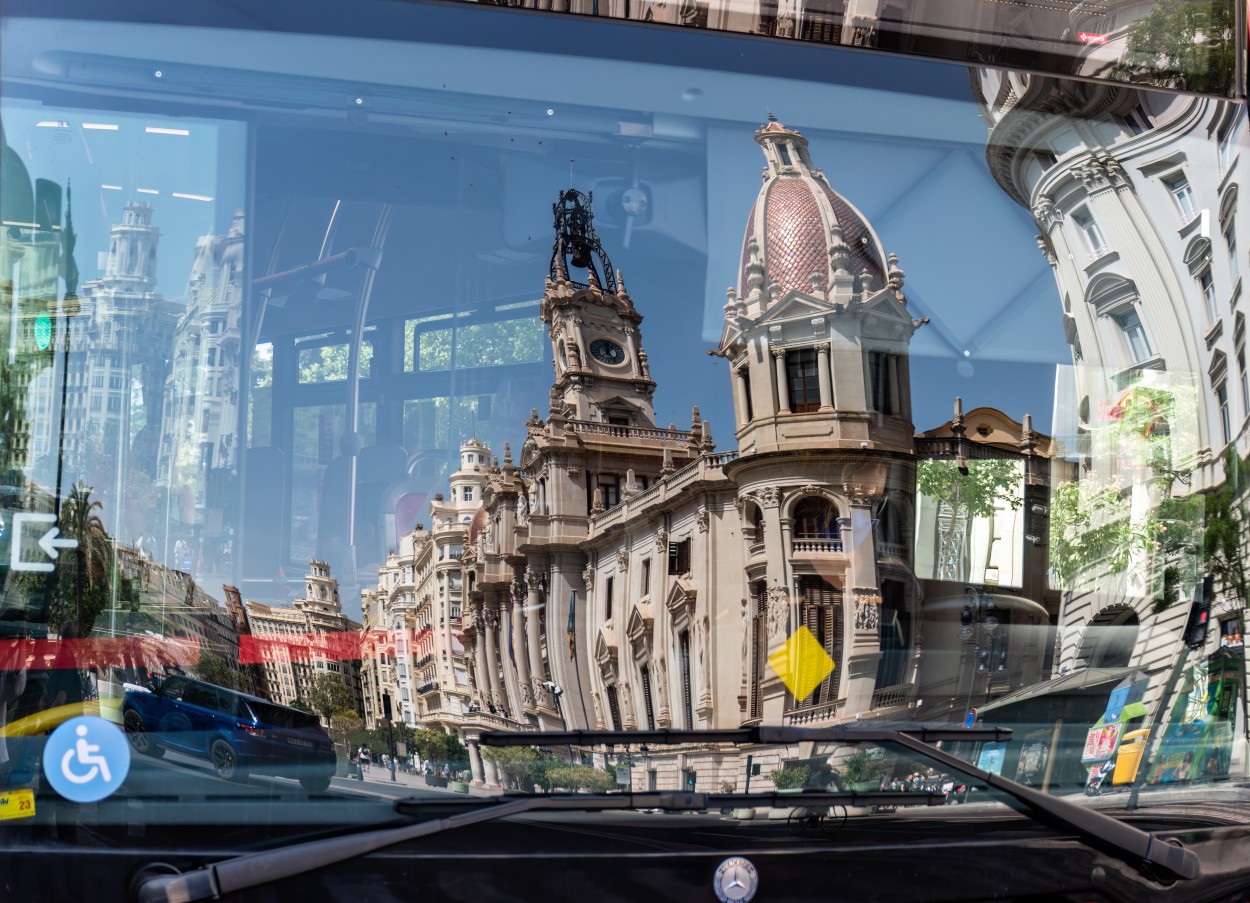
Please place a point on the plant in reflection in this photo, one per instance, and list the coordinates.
(328, 695)
(1092, 532)
(81, 586)
(345, 723)
(863, 768)
(791, 778)
(214, 669)
(962, 495)
(1182, 44)
(580, 778)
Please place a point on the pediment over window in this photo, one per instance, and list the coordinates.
(1198, 253)
(605, 650)
(1110, 290)
(794, 306)
(680, 600)
(638, 625)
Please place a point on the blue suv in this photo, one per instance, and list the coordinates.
(239, 734)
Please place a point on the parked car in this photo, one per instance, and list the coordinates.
(239, 734)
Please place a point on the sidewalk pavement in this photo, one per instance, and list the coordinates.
(379, 775)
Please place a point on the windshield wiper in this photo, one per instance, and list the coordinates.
(254, 869)
(1125, 842)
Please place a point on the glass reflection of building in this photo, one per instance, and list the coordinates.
(1135, 195)
(626, 575)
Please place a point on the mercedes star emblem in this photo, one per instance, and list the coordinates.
(736, 880)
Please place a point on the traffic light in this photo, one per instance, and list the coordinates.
(1199, 614)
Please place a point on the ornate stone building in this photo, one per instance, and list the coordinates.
(625, 574)
(311, 637)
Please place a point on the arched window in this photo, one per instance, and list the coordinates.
(816, 518)
(820, 611)
(1109, 640)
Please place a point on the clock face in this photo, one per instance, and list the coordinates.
(607, 351)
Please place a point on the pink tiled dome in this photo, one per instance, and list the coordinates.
(792, 226)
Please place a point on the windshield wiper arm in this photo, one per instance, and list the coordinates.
(1125, 842)
(254, 869)
(1132, 845)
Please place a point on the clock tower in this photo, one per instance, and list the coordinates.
(601, 372)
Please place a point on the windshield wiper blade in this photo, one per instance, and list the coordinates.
(1123, 841)
(254, 869)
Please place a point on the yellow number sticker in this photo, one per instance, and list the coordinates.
(17, 803)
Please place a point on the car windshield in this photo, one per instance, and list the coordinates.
(378, 379)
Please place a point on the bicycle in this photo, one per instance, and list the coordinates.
(829, 823)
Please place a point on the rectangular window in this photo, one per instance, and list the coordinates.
(1228, 148)
(687, 690)
(608, 588)
(645, 672)
(1090, 233)
(468, 493)
(610, 486)
(881, 381)
(1245, 380)
(1134, 335)
(679, 557)
(115, 404)
(802, 381)
(1208, 294)
(614, 708)
(1184, 195)
(1221, 394)
(1230, 242)
(645, 587)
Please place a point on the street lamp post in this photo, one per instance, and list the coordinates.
(979, 627)
(556, 692)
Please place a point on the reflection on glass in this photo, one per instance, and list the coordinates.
(433, 417)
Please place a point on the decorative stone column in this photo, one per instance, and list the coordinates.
(824, 377)
(742, 389)
(491, 618)
(479, 656)
(533, 641)
(475, 762)
(490, 773)
(524, 688)
(783, 390)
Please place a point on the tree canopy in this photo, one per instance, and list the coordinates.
(328, 695)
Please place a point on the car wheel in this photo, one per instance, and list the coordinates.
(315, 782)
(137, 733)
(226, 761)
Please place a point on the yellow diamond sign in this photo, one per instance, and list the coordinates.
(801, 663)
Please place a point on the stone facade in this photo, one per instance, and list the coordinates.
(644, 578)
(311, 637)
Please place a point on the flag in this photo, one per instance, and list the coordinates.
(572, 624)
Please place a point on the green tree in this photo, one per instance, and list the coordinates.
(345, 723)
(977, 491)
(328, 363)
(521, 767)
(214, 669)
(328, 694)
(1186, 44)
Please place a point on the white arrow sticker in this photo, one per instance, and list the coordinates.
(51, 542)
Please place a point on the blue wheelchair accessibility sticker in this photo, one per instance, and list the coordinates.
(86, 759)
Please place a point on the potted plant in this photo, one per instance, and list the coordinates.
(863, 770)
(790, 780)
